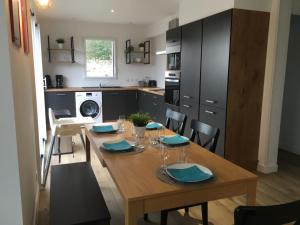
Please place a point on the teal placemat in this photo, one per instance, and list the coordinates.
(153, 126)
(174, 140)
(118, 146)
(103, 129)
(190, 174)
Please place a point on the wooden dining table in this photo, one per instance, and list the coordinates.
(135, 175)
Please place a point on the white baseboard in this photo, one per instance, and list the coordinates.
(36, 204)
(267, 169)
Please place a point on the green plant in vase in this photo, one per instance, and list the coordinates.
(140, 120)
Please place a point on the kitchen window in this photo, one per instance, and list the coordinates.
(100, 58)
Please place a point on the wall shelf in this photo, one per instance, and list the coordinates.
(58, 50)
(132, 55)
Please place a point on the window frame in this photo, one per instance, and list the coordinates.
(114, 77)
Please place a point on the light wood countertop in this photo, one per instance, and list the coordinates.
(152, 90)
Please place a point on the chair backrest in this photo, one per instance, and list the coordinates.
(52, 120)
(262, 215)
(175, 121)
(202, 129)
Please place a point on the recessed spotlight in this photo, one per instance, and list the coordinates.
(44, 4)
(112, 10)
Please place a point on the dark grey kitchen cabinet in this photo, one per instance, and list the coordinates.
(232, 56)
(215, 117)
(215, 59)
(116, 103)
(173, 36)
(154, 105)
(191, 61)
(191, 110)
(58, 101)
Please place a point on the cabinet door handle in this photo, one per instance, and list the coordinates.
(187, 96)
(155, 104)
(187, 106)
(210, 112)
(113, 93)
(155, 97)
(61, 94)
(211, 101)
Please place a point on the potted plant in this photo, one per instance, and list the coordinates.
(141, 46)
(60, 43)
(139, 120)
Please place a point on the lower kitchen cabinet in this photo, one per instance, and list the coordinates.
(154, 105)
(191, 110)
(215, 117)
(116, 103)
(58, 101)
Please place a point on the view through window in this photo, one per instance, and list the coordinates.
(100, 58)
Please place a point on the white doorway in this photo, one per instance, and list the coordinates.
(39, 86)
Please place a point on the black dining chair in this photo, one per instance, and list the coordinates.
(211, 134)
(265, 215)
(175, 121)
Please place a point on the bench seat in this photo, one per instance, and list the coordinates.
(75, 196)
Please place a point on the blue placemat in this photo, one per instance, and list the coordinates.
(118, 146)
(153, 126)
(174, 140)
(103, 129)
(190, 174)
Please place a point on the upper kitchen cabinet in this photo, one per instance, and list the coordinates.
(215, 59)
(191, 61)
(173, 36)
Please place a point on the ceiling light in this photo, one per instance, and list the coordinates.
(44, 4)
(112, 10)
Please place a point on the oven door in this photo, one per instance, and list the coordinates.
(173, 61)
(172, 88)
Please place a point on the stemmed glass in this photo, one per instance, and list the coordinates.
(121, 123)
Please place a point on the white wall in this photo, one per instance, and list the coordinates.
(18, 166)
(192, 10)
(75, 73)
(274, 84)
(259, 5)
(296, 7)
(290, 124)
(10, 193)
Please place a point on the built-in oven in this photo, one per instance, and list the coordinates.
(172, 87)
(173, 61)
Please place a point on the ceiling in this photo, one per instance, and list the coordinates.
(126, 11)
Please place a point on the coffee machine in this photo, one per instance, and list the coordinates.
(59, 81)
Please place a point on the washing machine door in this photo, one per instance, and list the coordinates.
(89, 108)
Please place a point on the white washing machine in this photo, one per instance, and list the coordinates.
(89, 104)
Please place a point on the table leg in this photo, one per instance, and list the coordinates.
(251, 193)
(133, 211)
(87, 149)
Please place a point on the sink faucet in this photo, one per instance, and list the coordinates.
(100, 85)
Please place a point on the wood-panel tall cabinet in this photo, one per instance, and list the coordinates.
(223, 78)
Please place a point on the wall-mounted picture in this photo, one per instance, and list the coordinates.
(15, 22)
(24, 26)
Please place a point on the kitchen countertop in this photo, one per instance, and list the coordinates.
(152, 90)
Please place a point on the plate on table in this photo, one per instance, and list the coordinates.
(120, 145)
(154, 126)
(189, 172)
(105, 128)
(174, 140)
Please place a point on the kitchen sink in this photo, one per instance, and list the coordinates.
(102, 87)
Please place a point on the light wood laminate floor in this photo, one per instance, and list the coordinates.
(274, 188)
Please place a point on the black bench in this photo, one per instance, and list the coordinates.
(75, 196)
